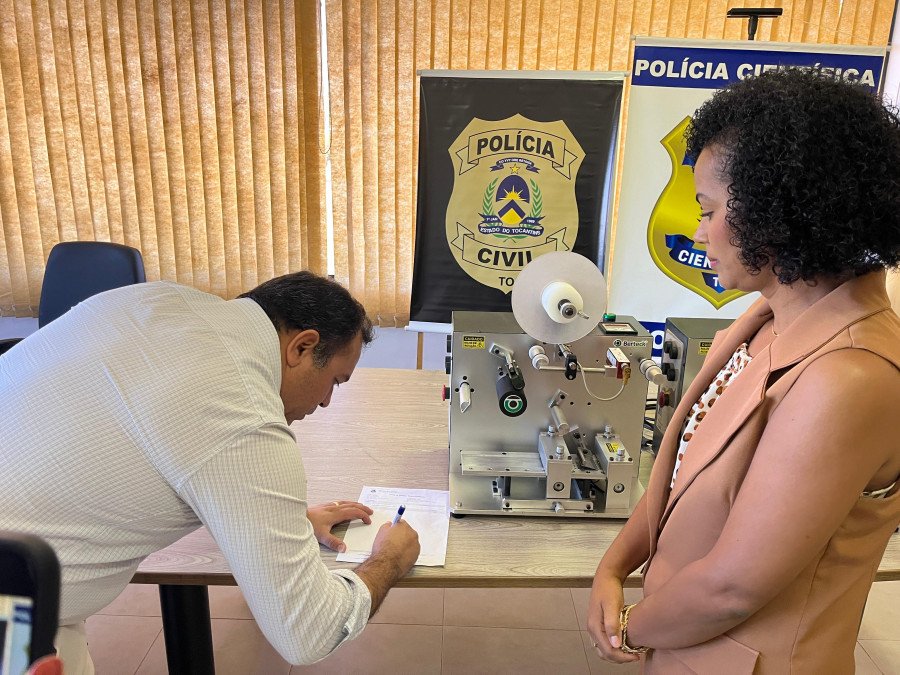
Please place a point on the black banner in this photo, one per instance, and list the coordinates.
(509, 168)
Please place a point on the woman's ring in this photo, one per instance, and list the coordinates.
(336, 503)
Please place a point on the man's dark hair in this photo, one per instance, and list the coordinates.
(303, 301)
(814, 172)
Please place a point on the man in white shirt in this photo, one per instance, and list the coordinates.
(147, 411)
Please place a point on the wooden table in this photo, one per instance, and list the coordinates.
(389, 428)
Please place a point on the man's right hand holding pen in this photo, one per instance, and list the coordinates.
(394, 552)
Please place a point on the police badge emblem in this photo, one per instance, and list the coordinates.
(673, 223)
(513, 196)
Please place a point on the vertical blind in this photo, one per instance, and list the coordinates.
(189, 130)
(194, 130)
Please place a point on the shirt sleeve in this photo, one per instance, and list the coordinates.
(251, 496)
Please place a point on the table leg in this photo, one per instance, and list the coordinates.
(187, 629)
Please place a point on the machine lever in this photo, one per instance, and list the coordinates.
(559, 420)
(571, 362)
(465, 396)
(516, 379)
(586, 458)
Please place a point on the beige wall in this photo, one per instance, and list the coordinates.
(893, 289)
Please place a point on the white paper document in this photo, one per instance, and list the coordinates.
(427, 512)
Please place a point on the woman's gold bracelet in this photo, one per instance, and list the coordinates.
(623, 623)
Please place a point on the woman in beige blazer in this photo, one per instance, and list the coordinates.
(760, 549)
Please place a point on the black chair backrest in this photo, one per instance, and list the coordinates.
(29, 568)
(76, 270)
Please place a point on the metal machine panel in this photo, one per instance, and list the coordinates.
(507, 461)
(685, 346)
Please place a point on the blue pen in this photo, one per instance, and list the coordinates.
(399, 515)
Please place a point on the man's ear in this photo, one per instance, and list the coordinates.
(300, 345)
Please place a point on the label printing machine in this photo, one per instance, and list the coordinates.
(547, 403)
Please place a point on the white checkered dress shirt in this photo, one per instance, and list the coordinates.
(144, 412)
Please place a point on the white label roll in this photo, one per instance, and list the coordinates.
(561, 301)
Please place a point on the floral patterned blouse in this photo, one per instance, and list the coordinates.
(720, 383)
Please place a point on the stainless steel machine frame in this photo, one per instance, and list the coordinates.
(566, 454)
(685, 346)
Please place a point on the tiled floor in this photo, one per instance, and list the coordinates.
(429, 631)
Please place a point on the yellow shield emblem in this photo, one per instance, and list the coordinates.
(672, 226)
(513, 196)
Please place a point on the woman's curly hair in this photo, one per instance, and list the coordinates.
(814, 172)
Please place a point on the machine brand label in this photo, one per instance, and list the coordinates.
(673, 223)
(704, 347)
(513, 196)
(630, 343)
(473, 342)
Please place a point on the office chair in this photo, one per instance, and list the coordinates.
(76, 270)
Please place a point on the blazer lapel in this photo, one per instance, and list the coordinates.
(731, 410)
(723, 347)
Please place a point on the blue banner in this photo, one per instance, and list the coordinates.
(681, 249)
(658, 330)
(711, 68)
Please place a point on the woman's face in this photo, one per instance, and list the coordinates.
(713, 231)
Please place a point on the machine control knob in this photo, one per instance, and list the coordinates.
(671, 374)
(449, 343)
(667, 346)
(448, 361)
(568, 309)
(662, 400)
(665, 367)
(445, 393)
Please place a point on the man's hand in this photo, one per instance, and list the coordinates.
(325, 516)
(394, 552)
(607, 600)
(398, 542)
